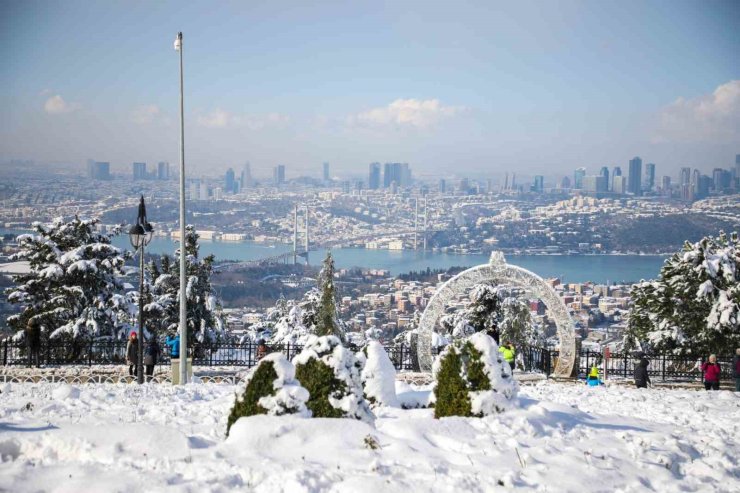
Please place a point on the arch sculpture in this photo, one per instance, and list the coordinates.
(499, 272)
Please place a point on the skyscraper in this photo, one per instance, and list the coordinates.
(666, 186)
(230, 181)
(278, 174)
(649, 177)
(605, 173)
(139, 171)
(246, 176)
(163, 170)
(400, 173)
(565, 182)
(326, 172)
(442, 185)
(578, 178)
(685, 176)
(539, 184)
(634, 179)
(373, 182)
(98, 170)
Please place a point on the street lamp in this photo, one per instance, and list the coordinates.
(183, 286)
(140, 235)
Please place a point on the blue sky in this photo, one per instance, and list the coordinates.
(474, 87)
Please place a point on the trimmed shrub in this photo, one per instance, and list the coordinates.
(378, 376)
(331, 374)
(271, 389)
(472, 379)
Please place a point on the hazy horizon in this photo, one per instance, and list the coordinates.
(480, 88)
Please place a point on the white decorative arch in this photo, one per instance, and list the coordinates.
(499, 272)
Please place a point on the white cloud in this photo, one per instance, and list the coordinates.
(711, 117)
(56, 105)
(406, 112)
(142, 115)
(220, 118)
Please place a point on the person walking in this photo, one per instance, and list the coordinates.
(711, 372)
(33, 343)
(151, 356)
(736, 366)
(509, 354)
(642, 379)
(132, 354)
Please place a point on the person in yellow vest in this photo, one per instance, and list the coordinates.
(508, 352)
(593, 377)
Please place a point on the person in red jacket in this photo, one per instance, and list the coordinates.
(711, 372)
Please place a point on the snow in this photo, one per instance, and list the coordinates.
(561, 437)
(378, 376)
(290, 397)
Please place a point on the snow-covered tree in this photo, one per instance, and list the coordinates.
(331, 374)
(515, 322)
(378, 376)
(327, 318)
(203, 308)
(472, 379)
(73, 288)
(694, 305)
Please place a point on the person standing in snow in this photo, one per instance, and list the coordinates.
(508, 352)
(174, 344)
(711, 372)
(736, 366)
(642, 379)
(132, 354)
(593, 380)
(261, 349)
(151, 355)
(494, 333)
(33, 342)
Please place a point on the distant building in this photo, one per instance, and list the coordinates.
(246, 176)
(98, 170)
(139, 171)
(278, 174)
(649, 184)
(163, 170)
(230, 185)
(634, 179)
(702, 189)
(605, 173)
(721, 179)
(685, 176)
(539, 184)
(619, 185)
(326, 172)
(373, 182)
(595, 184)
(400, 173)
(578, 178)
(565, 183)
(442, 185)
(666, 186)
(616, 176)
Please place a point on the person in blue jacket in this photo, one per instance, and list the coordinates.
(174, 344)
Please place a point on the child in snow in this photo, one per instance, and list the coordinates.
(711, 372)
(132, 354)
(642, 379)
(592, 380)
(509, 354)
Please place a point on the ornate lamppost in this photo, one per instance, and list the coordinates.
(140, 235)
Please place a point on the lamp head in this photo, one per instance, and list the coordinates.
(178, 41)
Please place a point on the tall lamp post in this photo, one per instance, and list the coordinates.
(140, 235)
(183, 286)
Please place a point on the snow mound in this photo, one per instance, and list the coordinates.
(378, 376)
(65, 392)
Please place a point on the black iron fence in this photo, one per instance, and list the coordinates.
(663, 367)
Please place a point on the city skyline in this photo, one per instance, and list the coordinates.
(482, 89)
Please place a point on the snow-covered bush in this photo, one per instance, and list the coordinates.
(694, 305)
(73, 287)
(378, 376)
(271, 389)
(331, 374)
(472, 379)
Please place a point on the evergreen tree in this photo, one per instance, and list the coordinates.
(327, 320)
(694, 305)
(73, 288)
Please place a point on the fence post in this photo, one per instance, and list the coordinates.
(624, 368)
(663, 357)
(89, 354)
(5, 353)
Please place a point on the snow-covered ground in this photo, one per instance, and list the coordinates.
(562, 437)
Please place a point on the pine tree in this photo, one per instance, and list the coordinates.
(73, 289)
(327, 320)
(694, 305)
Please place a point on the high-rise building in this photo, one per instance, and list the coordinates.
(616, 176)
(246, 176)
(326, 172)
(230, 181)
(737, 167)
(703, 185)
(400, 173)
(649, 184)
(595, 184)
(163, 170)
(634, 180)
(139, 171)
(98, 170)
(666, 186)
(565, 182)
(619, 184)
(605, 173)
(578, 178)
(373, 182)
(539, 184)
(721, 179)
(278, 174)
(685, 176)
(442, 185)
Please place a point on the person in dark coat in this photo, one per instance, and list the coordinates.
(642, 379)
(494, 333)
(33, 342)
(151, 356)
(132, 354)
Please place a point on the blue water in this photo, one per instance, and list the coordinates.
(577, 268)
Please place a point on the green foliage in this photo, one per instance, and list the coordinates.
(326, 318)
(260, 385)
(476, 369)
(318, 378)
(451, 391)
